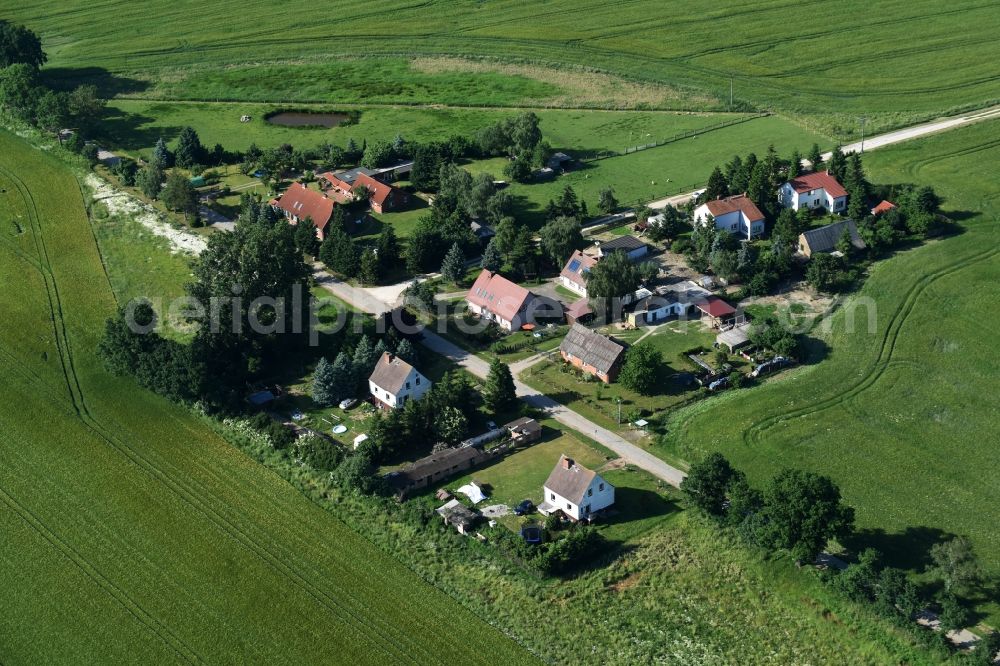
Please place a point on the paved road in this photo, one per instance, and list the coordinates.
(361, 299)
(874, 142)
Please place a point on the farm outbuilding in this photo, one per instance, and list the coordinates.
(734, 338)
(592, 352)
(460, 516)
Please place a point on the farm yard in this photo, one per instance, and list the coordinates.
(927, 369)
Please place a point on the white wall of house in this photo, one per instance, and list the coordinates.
(573, 286)
(599, 495)
(414, 388)
(818, 198)
(734, 222)
(501, 322)
(662, 312)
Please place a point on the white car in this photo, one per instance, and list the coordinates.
(347, 403)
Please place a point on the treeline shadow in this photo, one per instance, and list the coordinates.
(108, 83)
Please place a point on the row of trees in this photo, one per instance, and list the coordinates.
(235, 345)
(800, 511)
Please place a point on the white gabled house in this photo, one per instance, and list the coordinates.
(575, 491)
(737, 214)
(814, 190)
(394, 382)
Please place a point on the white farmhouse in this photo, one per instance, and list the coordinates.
(496, 298)
(814, 190)
(394, 381)
(576, 491)
(737, 214)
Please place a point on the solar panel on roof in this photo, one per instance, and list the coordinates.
(574, 265)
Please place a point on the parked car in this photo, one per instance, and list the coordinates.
(524, 508)
(347, 403)
(491, 425)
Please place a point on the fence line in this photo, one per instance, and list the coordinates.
(677, 137)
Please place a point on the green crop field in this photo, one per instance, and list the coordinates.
(902, 415)
(912, 58)
(129, 528)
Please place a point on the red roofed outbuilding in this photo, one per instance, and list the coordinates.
(818, 189)
(884, 206)
(715, 309)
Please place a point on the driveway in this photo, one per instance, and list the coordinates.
(629, 452)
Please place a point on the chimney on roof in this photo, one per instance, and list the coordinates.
(567, 463)
(389, 357)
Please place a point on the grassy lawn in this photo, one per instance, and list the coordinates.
(898, 412)
(639, 499)
(132, 527)
(599, 402)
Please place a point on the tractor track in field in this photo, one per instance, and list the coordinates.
(187, 491)
(90, 571)
(883, 360)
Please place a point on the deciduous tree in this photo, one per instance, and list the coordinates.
(642, 369)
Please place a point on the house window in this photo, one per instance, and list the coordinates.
(552, 496)
(600, 487)
(418, 381)
(569, 507)
(407, 386)
(586, 510)
(732, 227)
(590, 492)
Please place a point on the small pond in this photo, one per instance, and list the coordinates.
(305, 119)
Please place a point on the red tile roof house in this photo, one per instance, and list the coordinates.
(814, 190)
(382, 198)
(299, 202)
(496, 298)
(737, 215)
(574, 273)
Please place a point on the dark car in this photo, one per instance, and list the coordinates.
(524, 508)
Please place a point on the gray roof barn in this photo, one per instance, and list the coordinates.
(624, 243)
(824, 239)
(592, 348)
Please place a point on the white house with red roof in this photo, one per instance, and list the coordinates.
(814, 190)
(574, 274)
(496, 298)
(299, 202)
(736, 214)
